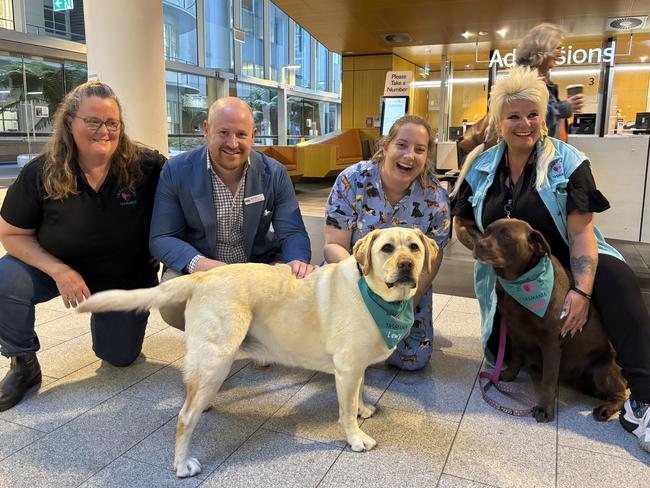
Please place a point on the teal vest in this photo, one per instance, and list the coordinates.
(480, 177)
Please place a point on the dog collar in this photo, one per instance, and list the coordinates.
(533, 289)
(394, 319)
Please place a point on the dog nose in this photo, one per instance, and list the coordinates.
(405, 265)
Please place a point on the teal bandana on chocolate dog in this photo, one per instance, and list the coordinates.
(394, 319)
(532, 289)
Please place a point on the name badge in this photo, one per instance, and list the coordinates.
(254, 199)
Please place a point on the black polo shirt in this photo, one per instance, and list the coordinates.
(527, 205)
(103, 235)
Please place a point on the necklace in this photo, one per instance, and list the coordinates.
(510, 185)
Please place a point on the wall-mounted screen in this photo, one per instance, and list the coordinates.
(392, 108)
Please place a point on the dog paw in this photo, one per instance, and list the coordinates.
(508, 375)
(602, 413)
(190, 467)
(542, 414)
(361, 442)
(366, 411)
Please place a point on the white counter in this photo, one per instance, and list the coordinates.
(620, 168)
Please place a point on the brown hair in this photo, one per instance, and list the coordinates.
(59, 175)
(429, 168)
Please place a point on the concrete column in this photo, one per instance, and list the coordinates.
(124, 40)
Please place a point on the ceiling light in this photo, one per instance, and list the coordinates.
(482, 33)
(291, 66)
(502, 32)
(643, 59)
(427, 50)
(466, 34)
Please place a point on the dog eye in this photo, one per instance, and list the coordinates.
(414, 247)
(387, 248)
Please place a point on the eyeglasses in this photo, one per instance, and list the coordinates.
(93, 123)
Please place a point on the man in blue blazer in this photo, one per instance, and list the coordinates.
(215, 204)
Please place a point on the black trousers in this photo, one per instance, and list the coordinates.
(617, 296)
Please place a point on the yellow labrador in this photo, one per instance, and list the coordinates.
(319, 323)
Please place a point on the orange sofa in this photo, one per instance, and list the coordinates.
(330, 154)
(286, 155)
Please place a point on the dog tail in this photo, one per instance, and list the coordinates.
(173, 291)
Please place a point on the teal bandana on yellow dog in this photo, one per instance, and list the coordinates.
(533, 289)
(394, 319)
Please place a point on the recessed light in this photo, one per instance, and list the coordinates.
(466, 34)
(502, 32)
(482, 33)
(643, 58)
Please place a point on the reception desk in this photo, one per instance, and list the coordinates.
(620, 167)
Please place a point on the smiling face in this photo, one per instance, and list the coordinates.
(405, 155)
(521, 125)
(230, 135)
(99, 145)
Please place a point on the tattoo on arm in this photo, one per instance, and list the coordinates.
(583, 265)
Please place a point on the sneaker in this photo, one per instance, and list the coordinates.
(635, 418)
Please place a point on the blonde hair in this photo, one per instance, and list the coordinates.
(538, 44)
(59, 175)
(429, 168)
(520, 83)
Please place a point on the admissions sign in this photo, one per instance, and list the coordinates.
(568, 56)
(58, 5)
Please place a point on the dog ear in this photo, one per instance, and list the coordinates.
(361, 251)
(538, 243)
(431, 250)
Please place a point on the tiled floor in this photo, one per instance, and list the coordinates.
(94, 425)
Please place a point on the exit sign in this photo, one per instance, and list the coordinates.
(62, 5)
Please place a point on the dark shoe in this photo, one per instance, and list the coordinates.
(23, 373)
(635, 418)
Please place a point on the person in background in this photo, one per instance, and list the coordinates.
(395, 189)
(549, 184)
(540, 49)
(215, 205)
(75, 222)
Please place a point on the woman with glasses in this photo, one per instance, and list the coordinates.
(75, 222)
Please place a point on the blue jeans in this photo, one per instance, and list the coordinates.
(117, 336)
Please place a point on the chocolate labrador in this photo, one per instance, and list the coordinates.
(513, 248)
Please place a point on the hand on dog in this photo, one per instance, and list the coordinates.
(300, 269)
(575, 312)
(72, 287)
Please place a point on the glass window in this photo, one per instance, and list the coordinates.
(6, 15)
(589, 76)
(252, 22)
(322, 63)
(468, 100)
(179, 30)
(279, 42)
(41, 19)
(302, 56)
(11, 94)
(187, 108)
(308, 118)
(219, 46)
(74, 74)
(336, 73)
(264, 103)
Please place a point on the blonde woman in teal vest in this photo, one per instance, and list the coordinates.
(533, 177)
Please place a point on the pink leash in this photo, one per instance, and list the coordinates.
(505, 388)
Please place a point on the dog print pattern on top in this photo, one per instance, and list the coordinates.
(357, 203)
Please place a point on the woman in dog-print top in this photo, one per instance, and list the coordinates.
(548, 183)
(395, 189)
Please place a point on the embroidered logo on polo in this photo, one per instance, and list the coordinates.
(557, 169)
(532, 289)
(394, 319)
(126, 196)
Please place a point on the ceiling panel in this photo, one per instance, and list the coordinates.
(356, 26)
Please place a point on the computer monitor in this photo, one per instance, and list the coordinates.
(642, 121)
(455, 133)
(392, 108)
(583, 124)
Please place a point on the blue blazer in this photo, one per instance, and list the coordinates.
(184, 223)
